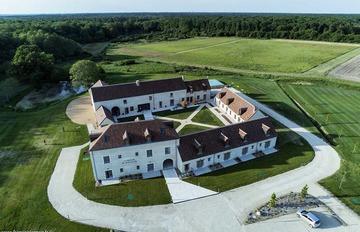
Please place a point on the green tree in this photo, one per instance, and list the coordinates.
(273, 200)
(8, 87)
(304, 191)
(85, 73)
(31, 65)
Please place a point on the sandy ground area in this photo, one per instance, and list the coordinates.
(80, 111)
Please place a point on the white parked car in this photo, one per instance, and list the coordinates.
(308, 217)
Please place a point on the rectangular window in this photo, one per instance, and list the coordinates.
(218, 156)
(267, 144)
(200, 163)
(172, 102)
(106, 159)
(209, 159)
(187, 167)
(119, 156)
(204, 96)
(149, 153)
(167, 150)
(138, 167)
(125, 101)
(187, 99)
(198, 97)
(150, 167)
(160, 104)
(227, 155)
(245, 150)
(131, 108)
(182, 99)
(121, 170)
(150, 98)
(136, 153)
(108, 174)
(171, 95)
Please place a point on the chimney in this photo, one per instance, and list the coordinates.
(137, 82)
(126, 138)
(265, 128)
(243, 135)
(225, 139)
(198, 147)
(147, 135)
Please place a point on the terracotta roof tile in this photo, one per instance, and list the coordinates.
(109, 92)
(115, 135)
(236, 103)
(212, 140)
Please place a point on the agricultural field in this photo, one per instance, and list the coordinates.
(243, 54)
(348, 70)
(336, 109)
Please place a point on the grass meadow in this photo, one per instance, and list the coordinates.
(243, 54)
(337, 110)
(27, 164)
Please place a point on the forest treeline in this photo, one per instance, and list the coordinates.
(61, 35)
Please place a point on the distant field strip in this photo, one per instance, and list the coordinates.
(242, 54)
(348, 70)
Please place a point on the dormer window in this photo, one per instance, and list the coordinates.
(225, 139)
(147, 135)
(266, 129)
(126, 138)
(243, 135)
(198, 147)
(125, 101)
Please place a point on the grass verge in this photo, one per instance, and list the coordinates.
(190, 128)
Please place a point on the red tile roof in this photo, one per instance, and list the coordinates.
(212, 141)
(138, 88)
(113, 135)
(236, 103)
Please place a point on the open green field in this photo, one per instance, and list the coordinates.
(132, 193)
(337, 110)
(26, 165)
(207, 117)
(243, 54)
(177, 114)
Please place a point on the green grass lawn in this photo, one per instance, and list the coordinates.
(177, 114)
(337, 110)
(132, 193)
(207, 117)
(293, 152)
(26, 165)
(131, 119)
(176, 124)
(245, 54)
(190, 128)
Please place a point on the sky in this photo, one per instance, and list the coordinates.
(120, 6)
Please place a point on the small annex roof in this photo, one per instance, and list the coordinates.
(236, 103)
(103, 113)
(99, 83)
(132, 133)
(197, 85)
(138, 88)
(225, 138)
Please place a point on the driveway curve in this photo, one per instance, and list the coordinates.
(223, 212)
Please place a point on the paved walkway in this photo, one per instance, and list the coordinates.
(181, 191)
(222, 212)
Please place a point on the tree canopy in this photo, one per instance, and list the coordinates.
(31, 65)
(85, 73)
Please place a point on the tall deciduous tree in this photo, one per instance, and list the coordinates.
(31, 65)
(85, 73)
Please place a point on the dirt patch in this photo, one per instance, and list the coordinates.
(80, 111)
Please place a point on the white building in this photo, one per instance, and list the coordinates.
(237, 108)
(153, 145)
(124, 100)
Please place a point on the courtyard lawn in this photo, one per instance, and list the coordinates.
(207, 117)
(294, 152)
(243, 54)
(337, 110)
(176, 114)
(26, 165)
(132, 193)
(190, 128)
(131, 119)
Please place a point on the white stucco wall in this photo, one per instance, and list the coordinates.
(129, 161)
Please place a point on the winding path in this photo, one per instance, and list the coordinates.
(223, 212)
